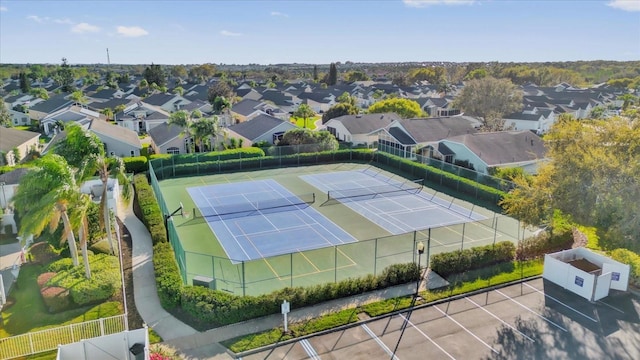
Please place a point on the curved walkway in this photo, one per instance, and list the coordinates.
(192, 344)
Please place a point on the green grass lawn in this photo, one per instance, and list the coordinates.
(28, 313)
(299, 122)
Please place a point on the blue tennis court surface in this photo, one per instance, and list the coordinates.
(398, 206)
(259, 219)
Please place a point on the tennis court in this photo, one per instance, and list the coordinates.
(397, 205)
(260, 219)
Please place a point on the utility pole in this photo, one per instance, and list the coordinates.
(108, 60)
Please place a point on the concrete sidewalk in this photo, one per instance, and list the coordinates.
(188, 342)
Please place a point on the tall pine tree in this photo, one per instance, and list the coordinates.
(154, 75)
(332, 78)
(65, 76)
(25, 83)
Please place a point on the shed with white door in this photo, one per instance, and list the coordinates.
(586, 273)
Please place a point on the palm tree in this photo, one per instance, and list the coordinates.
(107, 167)
(304, 111)
(44, 197)
(183, 119)
(79, 220)
(203, 130)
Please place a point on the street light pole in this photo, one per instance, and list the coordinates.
(420, 251)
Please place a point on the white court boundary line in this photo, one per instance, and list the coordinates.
(531, 311)
(467, 330)
(499, 319)
(561, 303)
(379, 341)
(427, 337)
(610, 306)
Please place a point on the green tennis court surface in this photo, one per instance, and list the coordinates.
(200, 252)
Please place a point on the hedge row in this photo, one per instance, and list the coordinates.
(459, 261)
(485, 193)
(168, 279)
(214, 307)
(151, 214)
(242, 153)
(135, 164)
(630, 258)
(167, 169)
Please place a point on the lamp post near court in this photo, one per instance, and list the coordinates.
(420, 251)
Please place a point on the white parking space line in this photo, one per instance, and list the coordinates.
(531, 311)
(427, 337)
(497, 318)
(379, 341)
(561, 303)
(309, 349)
(467, 330)
(610, 306)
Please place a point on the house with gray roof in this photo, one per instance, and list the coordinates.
(409, 137)
(42, 109)
(167, 102)
(504, 149)
(260, 128)
(535, 119)
(22, 140)
(68, 114)
(167, 139)
(361, 129)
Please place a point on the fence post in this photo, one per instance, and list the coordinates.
(31, 343)
(335, 264)
(244, 283)
(464, 225)
(102, 326)
(428, 247)
(375, 257)
(291, 267)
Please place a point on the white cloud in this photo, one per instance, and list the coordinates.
(63, 21)
(277, 13)
(36, 18)
(84, 28)
(3, 9)
(229, 33)
(131, 31)
(626, 5)
(425, 3)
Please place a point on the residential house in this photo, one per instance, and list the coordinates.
(167, 102)
(106, 95)
(71, 113)
(168, 139)
(117, 140)
(411, 137)
(361, 129)
(260, 128)
(8, 184)
(45, 108)
(535, 119)
(141, 117)
(19, 118)
(285, 102)
(482, 151)
(247, 109)
(15, 144)
(319, 101)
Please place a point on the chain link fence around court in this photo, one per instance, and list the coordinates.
(337, 263)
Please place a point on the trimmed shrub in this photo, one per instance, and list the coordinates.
(630, 258)
(220, 308)
(168, 279)
(42, 252)
(459, 261)
(44, 278)
(135, 164)
(104, 282)
(151, 214)
(56, 299)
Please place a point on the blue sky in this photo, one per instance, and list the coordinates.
(319, 32)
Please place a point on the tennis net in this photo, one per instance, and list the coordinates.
(407, 187)
(282, 203)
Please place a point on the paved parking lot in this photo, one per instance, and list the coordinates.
(532, 320)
